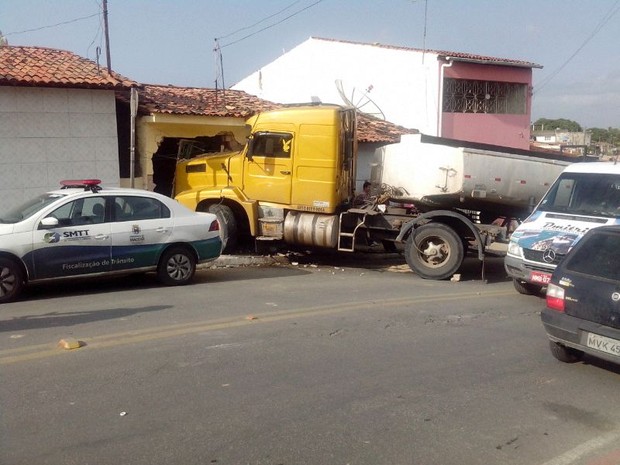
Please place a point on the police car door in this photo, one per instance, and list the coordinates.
(141, 228)
(78, 244)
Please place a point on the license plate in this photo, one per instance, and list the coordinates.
(541, 278)
(602, 343)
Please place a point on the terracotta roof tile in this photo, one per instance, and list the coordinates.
(47, 67)
(371, 129)
(238, 104)
(458, 56)
(200, 101)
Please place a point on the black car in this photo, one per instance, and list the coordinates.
(583, 299)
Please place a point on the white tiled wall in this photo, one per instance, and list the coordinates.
(47, 135)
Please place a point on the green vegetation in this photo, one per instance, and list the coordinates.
(609, 135)
(545, 124)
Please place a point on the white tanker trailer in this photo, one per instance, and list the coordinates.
(443, 197)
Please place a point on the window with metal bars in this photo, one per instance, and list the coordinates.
(473, 96)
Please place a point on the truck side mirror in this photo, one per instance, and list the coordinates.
(249, 153)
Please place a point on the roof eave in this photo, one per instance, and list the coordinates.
(492, 62)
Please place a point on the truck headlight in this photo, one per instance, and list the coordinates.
(515, 249)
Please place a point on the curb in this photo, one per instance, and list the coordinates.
(245, 260)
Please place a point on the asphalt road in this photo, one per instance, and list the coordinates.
(328, 361)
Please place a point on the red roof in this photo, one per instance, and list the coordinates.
(371, 129)
(200, 101)
(457, 56)
(238, 104)
(47, 67)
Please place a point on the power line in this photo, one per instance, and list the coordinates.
(272, 25)
(98, 37)
(612, 11)
(217, 49)
(51, 25)
(261, 21)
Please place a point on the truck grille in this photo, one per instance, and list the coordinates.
(537, 256)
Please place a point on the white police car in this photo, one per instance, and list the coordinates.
(83, 229)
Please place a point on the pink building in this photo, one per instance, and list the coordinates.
(448, 94)
(484, 100)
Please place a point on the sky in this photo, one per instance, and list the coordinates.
(173, 41)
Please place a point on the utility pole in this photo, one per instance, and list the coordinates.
(107, 35)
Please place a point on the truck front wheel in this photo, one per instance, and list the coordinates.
(228, 226)
(434, 251)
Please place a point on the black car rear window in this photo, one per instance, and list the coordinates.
(598, 255)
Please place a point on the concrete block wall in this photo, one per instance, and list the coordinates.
(49, 134)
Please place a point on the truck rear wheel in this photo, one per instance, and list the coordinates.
(434, 251)
(228, 226)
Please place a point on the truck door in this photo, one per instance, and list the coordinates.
(268, 169)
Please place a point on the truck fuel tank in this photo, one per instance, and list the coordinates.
(311, 229)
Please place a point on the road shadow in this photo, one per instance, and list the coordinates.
(145, 281)
(600, 363)
(61, 319)
(471, 269)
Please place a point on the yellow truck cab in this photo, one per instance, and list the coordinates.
(297, 168)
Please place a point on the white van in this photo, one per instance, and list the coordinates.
(584, 196)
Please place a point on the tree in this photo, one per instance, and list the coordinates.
(553, 124)
(611, 135)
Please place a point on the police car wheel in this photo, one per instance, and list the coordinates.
(176, 267)
(11, 280)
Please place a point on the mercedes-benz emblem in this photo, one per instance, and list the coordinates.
(549, 255)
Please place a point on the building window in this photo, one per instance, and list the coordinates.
(472, 96)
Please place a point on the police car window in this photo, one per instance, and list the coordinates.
(29, 208)
(89, 210)
(132, 208)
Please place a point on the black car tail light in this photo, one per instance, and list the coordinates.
(555, 297)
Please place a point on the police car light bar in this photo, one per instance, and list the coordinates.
(86, 184)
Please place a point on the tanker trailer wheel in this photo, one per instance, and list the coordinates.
(228, 226)
(434, 251)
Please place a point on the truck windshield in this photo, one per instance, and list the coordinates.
(29, 208)
(592, 194)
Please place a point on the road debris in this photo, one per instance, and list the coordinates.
(70, 343)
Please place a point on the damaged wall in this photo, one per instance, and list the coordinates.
(152, 129)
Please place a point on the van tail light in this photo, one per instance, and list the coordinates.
(215, 226)
(555, 297)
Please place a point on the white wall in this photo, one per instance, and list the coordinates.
(47, 135)
(403, 86)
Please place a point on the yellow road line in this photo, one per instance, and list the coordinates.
(39, 351)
